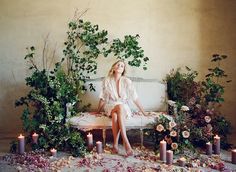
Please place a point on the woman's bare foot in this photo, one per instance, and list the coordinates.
(129, 153)
(115, 149)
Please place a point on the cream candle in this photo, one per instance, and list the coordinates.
(233, 152)
(35, 138)
(163, 150)
(169, 157)
(90, 141)
(99, 147)
(53, 152)
(217, 144)
(21, 144)
(208, 148)
(182, 161)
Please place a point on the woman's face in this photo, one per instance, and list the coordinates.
(119, 67)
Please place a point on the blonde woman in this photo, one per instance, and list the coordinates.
(117, 91)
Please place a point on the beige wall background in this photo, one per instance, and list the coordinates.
(174, 33)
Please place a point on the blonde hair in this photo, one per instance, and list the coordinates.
(111, 71)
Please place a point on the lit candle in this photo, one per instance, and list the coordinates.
(35, 138)
(217, 144)
(163, 150)
(182, 161)
(21, 144)
(99, 147)
(169, 157)
(53, 152)
(233, 156)
(90, 141)
(208, 148)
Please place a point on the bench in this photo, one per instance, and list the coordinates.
(152, 95)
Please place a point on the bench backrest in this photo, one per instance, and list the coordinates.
(151, 93)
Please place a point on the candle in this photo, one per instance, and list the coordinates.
(21, 144)
(53, 152)
(99, 147)
(90, 141)
(163, 150)
(169, 157)
(217, 144)
(182, 161)
(233, 156)
(35, 138)
(208, 148)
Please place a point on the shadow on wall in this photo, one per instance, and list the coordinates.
(217, 25)
(10, 122)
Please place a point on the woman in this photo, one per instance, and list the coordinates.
(117, 91)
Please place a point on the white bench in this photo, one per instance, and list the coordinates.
(151, 93)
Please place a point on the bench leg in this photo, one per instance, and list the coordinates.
(104, 136)
(141, 137)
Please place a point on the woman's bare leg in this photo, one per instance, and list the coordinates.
(120, 118)
(115, 131)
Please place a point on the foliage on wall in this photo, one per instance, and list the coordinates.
(45, 109)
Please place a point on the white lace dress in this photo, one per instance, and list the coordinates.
(110, 95)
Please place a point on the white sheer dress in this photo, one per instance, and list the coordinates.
(111, 97)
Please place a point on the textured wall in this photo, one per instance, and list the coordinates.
(174, 33)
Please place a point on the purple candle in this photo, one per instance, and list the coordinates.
(182, 162)
(35, 138)
(21, 144)
(90, 141)
(217, 144)
(99, 147)
(233, 156)
(53, 152)
(169, 157)
(163, 150)
(208, 148)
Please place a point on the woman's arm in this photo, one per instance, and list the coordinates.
(140, 107)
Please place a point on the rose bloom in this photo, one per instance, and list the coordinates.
(186, 134)
(160, 128)
(209, 127)
(173, 133)
(168, 140)
(172, 124)
(174, 146)
(171, 102)
(207, 119)
(185, 108)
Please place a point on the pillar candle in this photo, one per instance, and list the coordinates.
(208, 148)
(35, 138)
(169, 157)
(99, 147)
(21, 144)
(163, 150)
(233, 156)
(182, 161)
(90, 141)
(53, 152)
(217, 144)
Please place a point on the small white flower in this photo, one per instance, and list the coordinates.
(173, 133)
(186, 134)
(160, 128)
(207, 119)
(184, 108)
(172, 124)
(171, 102)
(174, 146)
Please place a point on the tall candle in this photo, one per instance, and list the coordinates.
(21, 144)
(217, 144)
(163, 150)
(233, 156)
(208, 148)
(182, 161)
(169, 157)
(53, 152)
(90, 141)
(35, 138)
(99, 147)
